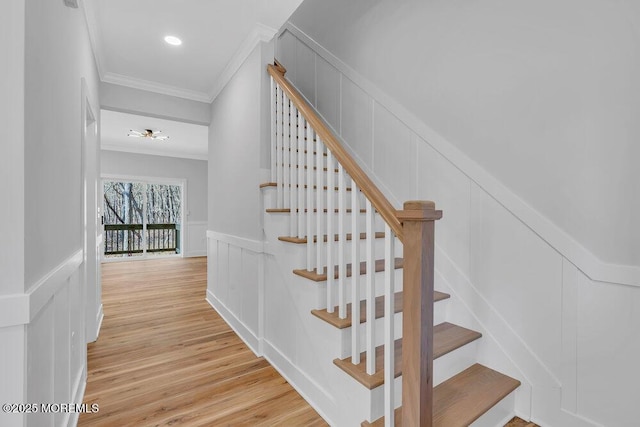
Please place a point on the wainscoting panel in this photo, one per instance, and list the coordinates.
(196, 238)
(555, 316)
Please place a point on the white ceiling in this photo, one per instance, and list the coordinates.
(127, 37)
(185, 139)
(217, 35)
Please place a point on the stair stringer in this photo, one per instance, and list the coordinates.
(502, 349)
(301, 346)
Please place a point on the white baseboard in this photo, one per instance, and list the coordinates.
(77, 396)
(193, 254)
(100, 318)
(245, 334)
(310, 391)
(21, 309)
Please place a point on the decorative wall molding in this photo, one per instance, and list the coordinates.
(192, 248)
(304, 385)
(241, 242)
(260, 33)
(245, 334)
(580, 256)
(533, 368)
(21, 309)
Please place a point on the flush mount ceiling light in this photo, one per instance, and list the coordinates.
(148, 133)
(173, 40)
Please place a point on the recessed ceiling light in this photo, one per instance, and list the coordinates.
(173, 40)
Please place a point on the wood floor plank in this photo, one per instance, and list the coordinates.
(165, 357)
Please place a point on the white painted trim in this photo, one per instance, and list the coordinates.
(21, 309)
(195, 254)
(50, 284)
(298, 379)
(577, 254)
(150, 151)
(14, 310)
(260, 33)
(93, 29)
(99, 319)
(241, 242)
(500, 330)
(192, 253)
(245, 334)
(150, 86)
(77, 396)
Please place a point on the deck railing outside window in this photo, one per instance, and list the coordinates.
(123, 239)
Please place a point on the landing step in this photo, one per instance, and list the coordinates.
(313, 275)
(336, 238)
(288, 210)
(462, 399)
(335, 320)
(315, 187)
(446, 338)
(324, 169)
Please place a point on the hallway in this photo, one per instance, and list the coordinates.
(165, 357)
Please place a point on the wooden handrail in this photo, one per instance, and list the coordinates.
(375, 196)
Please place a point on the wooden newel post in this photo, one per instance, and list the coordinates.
(418, 224)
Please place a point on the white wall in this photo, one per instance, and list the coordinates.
(193, 171)
(42, 319)
(238, 149)
(239, 143)
(543, 96)
(12, 304)
(545, 302)
(136, 101)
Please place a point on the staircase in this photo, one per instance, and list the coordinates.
(373, 267)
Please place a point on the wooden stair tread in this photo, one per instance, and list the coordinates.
(463, 398)
(312, 275)
(315, 187)
(288, 210)
(446, 338)
(300, 240)
(335, 320)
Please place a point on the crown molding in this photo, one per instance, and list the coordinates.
(89, 11)
(150, 86)
(152, 152)
(260, 33)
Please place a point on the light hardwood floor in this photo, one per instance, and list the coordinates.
(164, 357)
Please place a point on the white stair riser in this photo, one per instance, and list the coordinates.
(439, 317)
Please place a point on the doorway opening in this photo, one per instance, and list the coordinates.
(142, 218)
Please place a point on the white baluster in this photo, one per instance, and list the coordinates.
(330, 231)
(286, 154)
(371, 293)
(389, 312)
(274, 126)
(280, 150)
(293, 216)
(301, 169)
(355, 278)
(310, 244)
(320, 194)
(342, 237)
